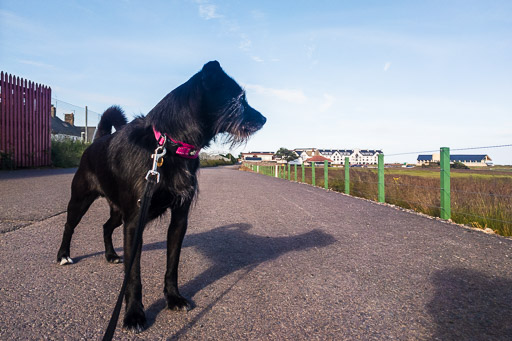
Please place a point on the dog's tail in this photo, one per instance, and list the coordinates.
(112, 117)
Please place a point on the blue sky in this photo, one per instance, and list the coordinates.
(402, 76)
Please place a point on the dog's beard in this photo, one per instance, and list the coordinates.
(235, 125)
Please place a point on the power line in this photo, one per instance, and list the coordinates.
(451, 149)
(487, 147)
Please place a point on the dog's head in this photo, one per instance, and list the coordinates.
(209, 104)
(226, 105)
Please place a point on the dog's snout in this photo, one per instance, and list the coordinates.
(258, 118)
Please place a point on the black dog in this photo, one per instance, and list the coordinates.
(115, 166)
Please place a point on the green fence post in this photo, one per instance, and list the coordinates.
(326, 174)
(382, 196)
(289, 173)
(313, 177)
(445, 184)
(295, 171)
(347, 175)
(303, 173)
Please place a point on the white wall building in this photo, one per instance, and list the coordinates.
(356, 156)
(258, 156)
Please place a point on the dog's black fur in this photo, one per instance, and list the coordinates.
(115, 165)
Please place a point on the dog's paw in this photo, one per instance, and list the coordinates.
(65, 260)
(178, 303)
(114, 259)
(135, 321)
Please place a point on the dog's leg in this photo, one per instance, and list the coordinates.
(114, 221)
(175, 234)
(134, 318)
(77, 207)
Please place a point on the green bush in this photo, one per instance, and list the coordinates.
(458, 165)
(215, 163)
(67, 153)
(6, 160)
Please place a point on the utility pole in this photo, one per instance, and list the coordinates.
(86, 140)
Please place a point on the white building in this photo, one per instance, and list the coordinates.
(258, 156)
(480, 160)
(356, 156)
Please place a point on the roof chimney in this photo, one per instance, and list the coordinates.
(70, 118)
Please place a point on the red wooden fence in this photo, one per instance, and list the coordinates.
(25, 122)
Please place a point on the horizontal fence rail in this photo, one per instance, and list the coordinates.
(477, 199)
(24, 123)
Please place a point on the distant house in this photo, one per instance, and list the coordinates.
(258, 156)
(480, 160)
(62, 130)
(304, 154)
(318, 160)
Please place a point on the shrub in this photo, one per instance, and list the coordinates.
(458, 165)
(6, 161)
(67, 153)
(214, 163)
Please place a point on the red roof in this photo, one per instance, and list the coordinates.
(318, 158)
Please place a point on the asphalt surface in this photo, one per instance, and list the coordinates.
(263, 259)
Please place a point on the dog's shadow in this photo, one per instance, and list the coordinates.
(231, 248)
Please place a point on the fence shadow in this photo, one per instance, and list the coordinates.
(232, 248)
(470, 305)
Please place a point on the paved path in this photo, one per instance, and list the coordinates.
(264, 259)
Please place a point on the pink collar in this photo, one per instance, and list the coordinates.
(184, 149)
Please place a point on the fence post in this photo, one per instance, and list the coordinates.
(445, 183)
(303, 172)
(276, 172)
(347, 175)
(295, 171)
(382, 196)
(289, 173)
(313, 177)
(326, 174)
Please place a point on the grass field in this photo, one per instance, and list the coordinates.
(479, 198)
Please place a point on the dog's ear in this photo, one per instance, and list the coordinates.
(210, 74)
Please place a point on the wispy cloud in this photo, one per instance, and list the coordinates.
(245, 43)
(257, 14)
(328, 101)
(289, 95)
(208, 11)
(12, 21)
(36, 63)
(387, 66)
